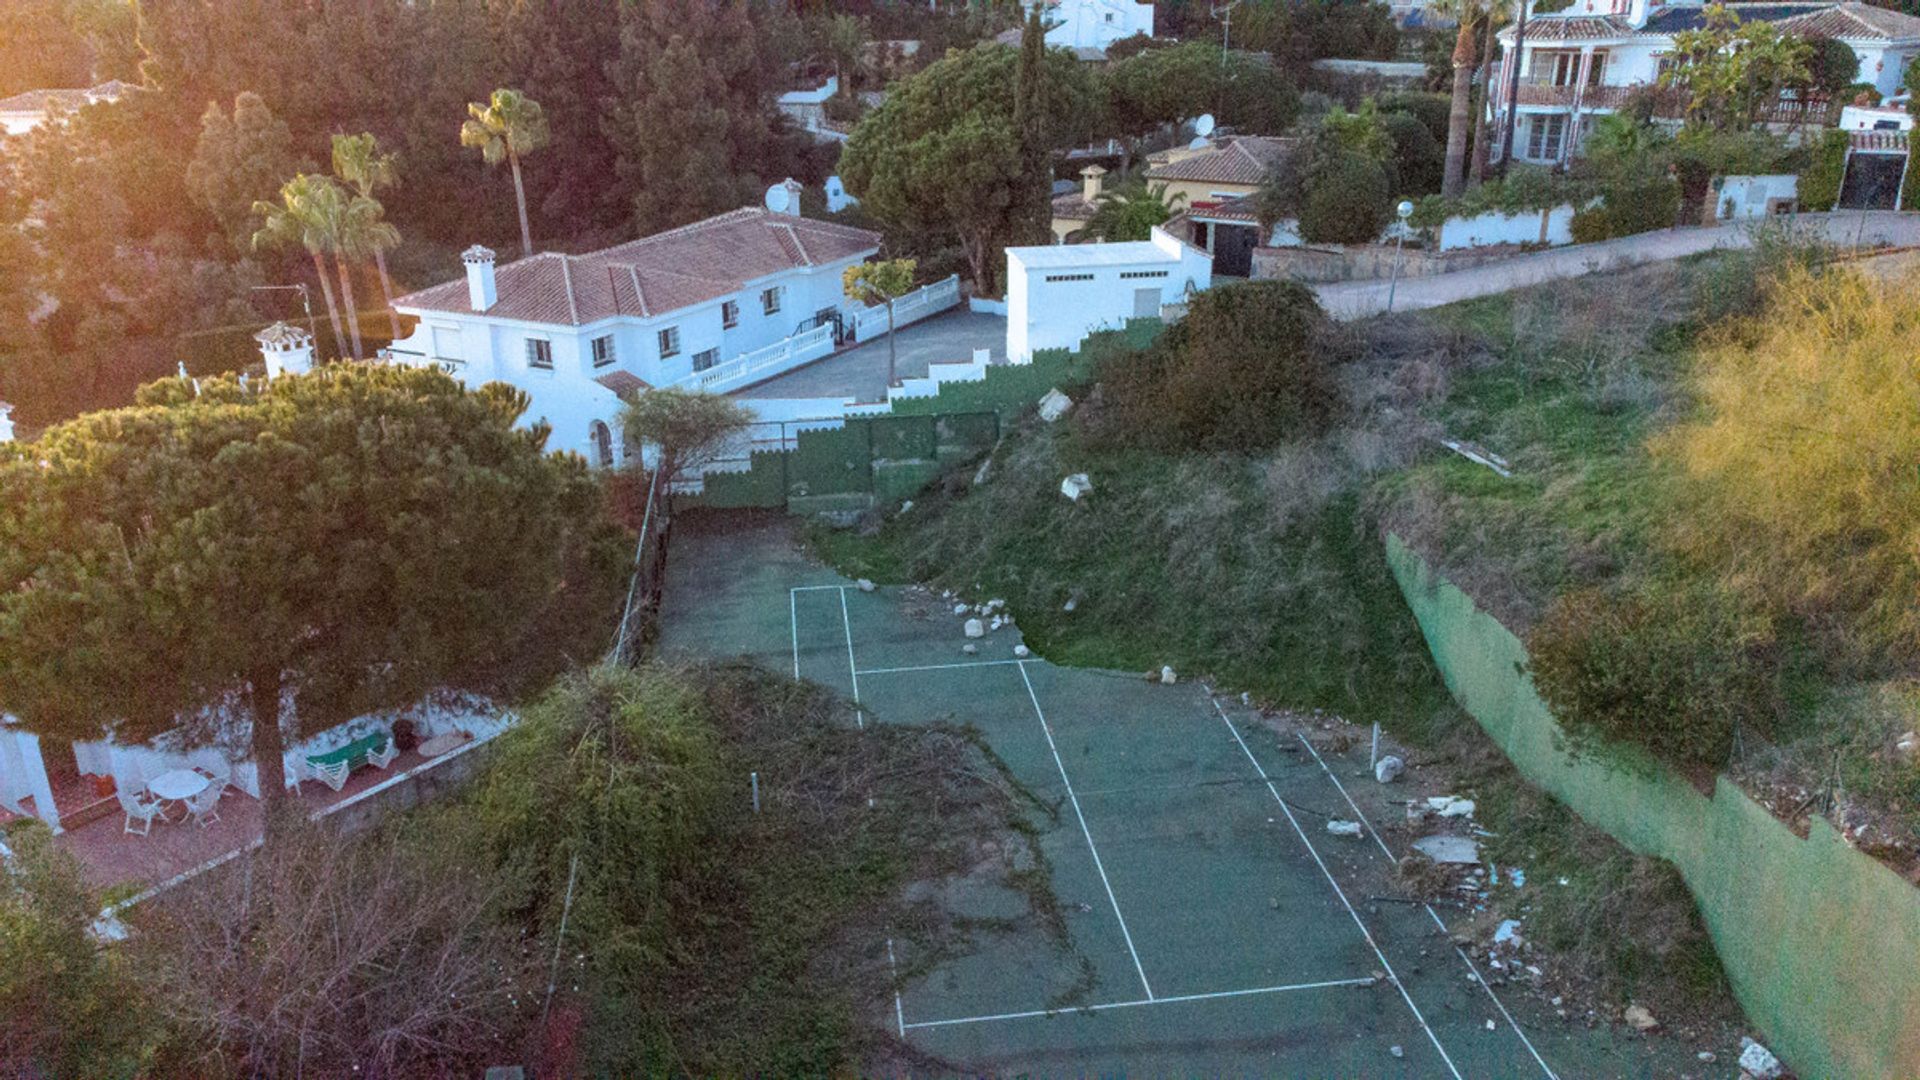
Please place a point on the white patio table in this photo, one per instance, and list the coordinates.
(177, 785)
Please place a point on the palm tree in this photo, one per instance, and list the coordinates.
(307, 214)
(1130, 212)
(360, 232)
(1469, 14)
(510, 126)
(358, 161)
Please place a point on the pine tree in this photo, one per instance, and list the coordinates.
(1033, 207)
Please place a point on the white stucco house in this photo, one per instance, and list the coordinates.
(1583, 62)
(716, 305)
(1087, 27)
(23, 112)
(1057, 294)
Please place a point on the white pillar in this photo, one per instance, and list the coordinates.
(287, 349)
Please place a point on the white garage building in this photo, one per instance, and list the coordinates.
(1057, 295)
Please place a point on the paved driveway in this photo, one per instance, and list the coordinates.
(861, 372)
(1357, 299)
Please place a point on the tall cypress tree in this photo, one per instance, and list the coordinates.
(1033, 206)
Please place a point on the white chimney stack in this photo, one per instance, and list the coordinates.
(288, 350)
(6, 422)
(482, 293)
(1090, 182)
(793, 196)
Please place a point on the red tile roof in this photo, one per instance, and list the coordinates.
(1072, 206)
(1855, 22)
(1572, 28)
(1246, 161)
(656, 274)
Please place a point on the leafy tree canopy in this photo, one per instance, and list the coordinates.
(1173, 83)
(350, 539)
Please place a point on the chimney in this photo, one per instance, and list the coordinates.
(1090, 182)
(288, 350)
(482, 293)
(793, 196)
(6, 422)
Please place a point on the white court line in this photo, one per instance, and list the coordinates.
(899, 1012)
(935, 667)
(1388, 852)
(793, 618)
(859, 714)
(813, 588)
(1385, 965)
(1084, 831)
(1067, 1010)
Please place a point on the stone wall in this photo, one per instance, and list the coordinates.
(1326, 263)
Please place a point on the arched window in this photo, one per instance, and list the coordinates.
(602, 445)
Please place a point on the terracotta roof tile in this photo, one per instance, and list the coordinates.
(1246, 160)
(656, 274)
(1072, 207)
(1858, 22)
(1572, 28)
(623, 383)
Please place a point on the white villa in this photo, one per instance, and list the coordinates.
(23, 112)
(1585, 60)
(1057, 294)
(716, 305)
(1087, 27)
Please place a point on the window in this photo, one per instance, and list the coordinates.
(1133, 275)
(446, 343)
(603, 350)
(729, 314)
(1069, 277)
(770, 300)
(539, 353)
(1544, 137)
(669, 342)
(705, 359)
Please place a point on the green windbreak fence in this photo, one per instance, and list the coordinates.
(1820, 942)
(807, 467)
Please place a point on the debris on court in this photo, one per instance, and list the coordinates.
(961, 609)
(1054, 405)
(1072, 602)
(975, 628)
(906, 506)
(1338, 827)
(1759, 1061)
(1073, 487)
(970, 649)
(1451, 850)
(1446, 806)
(1508, 932)
(1022, 652)
(1639, 1018)
(1396, 1051)
(1388, 769)
(865, 585)
(1167, 676)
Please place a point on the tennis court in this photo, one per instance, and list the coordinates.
(1212, 924)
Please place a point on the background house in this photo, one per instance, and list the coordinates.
(713, 305)
(23, 112)
(1218, 182)
(1088, 27)
(1584, 61)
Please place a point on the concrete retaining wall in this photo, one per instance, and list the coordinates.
(1364, 262)
(1818, 940)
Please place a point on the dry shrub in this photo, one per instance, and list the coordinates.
(1800, 468)
(331, 956)
(1599, 332)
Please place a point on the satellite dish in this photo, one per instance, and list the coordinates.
(1199, 143)
(1203, 127)
(778, 198)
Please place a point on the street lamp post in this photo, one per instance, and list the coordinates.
(1404, 211)
(312, 330)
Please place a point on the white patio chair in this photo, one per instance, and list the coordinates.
(140, 809)
(385, 756)
(333, 775)
(205, 807)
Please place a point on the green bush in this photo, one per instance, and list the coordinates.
(1628, 210)
(1348, 200)
(1672, 673)
(1248, 367)
(1432, 110)
(1819, 186)
(1419, 159)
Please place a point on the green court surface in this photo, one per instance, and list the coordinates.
(1212, 922)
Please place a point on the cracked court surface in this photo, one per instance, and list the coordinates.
(1215, 926)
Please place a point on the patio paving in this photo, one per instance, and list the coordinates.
(861, 372)
(112, 857)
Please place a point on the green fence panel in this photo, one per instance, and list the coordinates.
(831, 461)
(904, 438)
(1820, 942)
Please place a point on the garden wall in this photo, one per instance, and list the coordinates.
(1364, 262)
(1552, 227)
(1818, 940)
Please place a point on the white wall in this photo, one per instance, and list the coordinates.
(1485, 230)
(24, 774)
(1097, 23)
(1745, 198)
(1044, 314)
